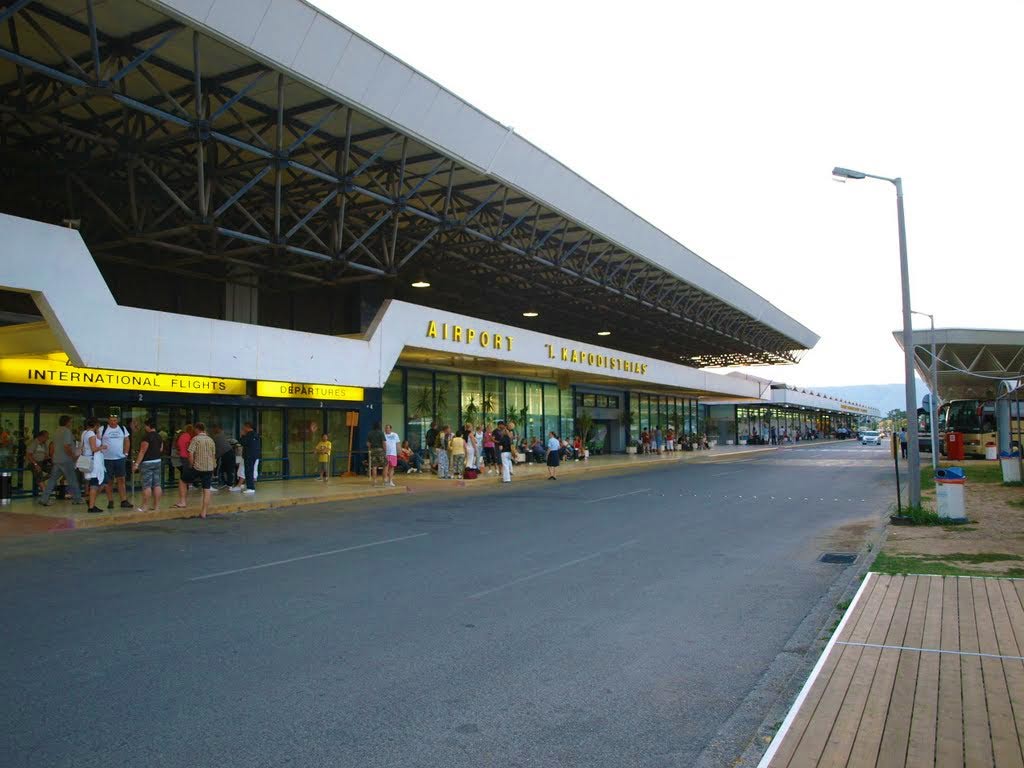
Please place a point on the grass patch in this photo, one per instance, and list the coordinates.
(959, 528)
(919, 515)
(842, 606)
(987, 472)
(1016, 503)
(974, 558)
(954, 564)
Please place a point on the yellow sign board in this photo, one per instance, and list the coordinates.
(308, 391)
(57, 371)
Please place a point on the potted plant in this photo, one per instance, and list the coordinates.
(584, 426)
(711, 427)
(631, 447)
(627, 422)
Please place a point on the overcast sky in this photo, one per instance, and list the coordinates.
(720, 123)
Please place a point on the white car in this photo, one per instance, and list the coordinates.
(870, 437)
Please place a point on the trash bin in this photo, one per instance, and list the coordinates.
(949, 494)
(1011, 466)
(955, 446)
(991, 452)
(6, 488)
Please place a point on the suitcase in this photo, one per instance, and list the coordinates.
(470, 474)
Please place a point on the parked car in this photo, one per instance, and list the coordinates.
(870, 437)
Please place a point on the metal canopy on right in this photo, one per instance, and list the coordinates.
(971, 362)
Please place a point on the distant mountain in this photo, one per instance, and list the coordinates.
(884, 397)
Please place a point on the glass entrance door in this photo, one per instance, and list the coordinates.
(305, 425)
(602, 437)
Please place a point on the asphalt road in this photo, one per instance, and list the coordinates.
(614, 620)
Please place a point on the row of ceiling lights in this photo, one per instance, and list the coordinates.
(534, 313)
(422, 282)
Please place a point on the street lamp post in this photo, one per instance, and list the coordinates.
(933, 401)
(913, 454)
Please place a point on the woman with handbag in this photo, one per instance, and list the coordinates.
(90, 461)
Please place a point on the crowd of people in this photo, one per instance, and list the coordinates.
(658, 440)
(467, 452)
(103, 457)
(775, 436)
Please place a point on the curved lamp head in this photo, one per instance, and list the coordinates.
(842, 174)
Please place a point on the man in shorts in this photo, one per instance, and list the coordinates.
(375, 447)
(117, 442)
(202, 454)
(391, 443)
(149, 463)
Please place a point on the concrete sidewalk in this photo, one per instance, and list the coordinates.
(25, 516)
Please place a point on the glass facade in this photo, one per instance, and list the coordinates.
(535, 411)
(680, 414)
(537, 407)
(270, 425)
(471, 396)
(393, 402)
(446, 397)
(552, 408)
(567, 417)
(305, 425)
(410, 400)
(494, 399)
(287, 434)
(773, 425)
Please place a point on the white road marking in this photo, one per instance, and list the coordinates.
(306, 557)
(723, 474)
(616, 496)
(546, 571)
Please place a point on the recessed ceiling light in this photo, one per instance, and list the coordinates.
(530, 314)
(604, 333)
(420, 284)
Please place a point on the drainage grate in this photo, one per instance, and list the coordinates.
(841, 558)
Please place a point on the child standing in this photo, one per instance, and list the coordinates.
(323, 456)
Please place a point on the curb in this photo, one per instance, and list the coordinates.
(173, 513)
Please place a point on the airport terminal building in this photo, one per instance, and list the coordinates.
(229, 211)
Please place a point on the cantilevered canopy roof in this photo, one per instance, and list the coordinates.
(971, 361)
(228, 138)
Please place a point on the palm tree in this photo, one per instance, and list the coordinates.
(487, 405)
(585, 425)
(424, 407)
(471, 412)
(441, 400)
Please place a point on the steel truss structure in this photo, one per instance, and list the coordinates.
(167, 143)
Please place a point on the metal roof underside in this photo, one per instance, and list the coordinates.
(971, 362)
(171, 145)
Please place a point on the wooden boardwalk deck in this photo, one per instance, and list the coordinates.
(923, 671)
